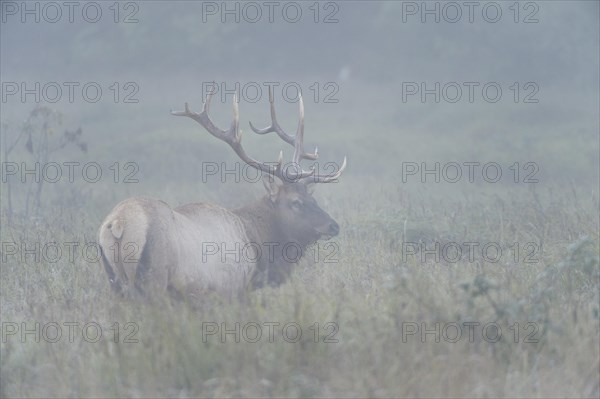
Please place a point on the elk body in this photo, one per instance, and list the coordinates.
(148, 246)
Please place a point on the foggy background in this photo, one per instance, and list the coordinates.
(366, 52)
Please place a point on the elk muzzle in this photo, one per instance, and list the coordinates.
(329, 229)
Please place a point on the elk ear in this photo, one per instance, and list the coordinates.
(271, 186)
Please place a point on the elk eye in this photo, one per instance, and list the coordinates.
(297, 204)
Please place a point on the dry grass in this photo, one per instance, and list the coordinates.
(369, 289)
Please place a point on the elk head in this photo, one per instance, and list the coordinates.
(295, 214)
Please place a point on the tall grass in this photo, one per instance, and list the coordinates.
(371, 291)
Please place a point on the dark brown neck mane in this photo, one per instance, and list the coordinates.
(272, 267)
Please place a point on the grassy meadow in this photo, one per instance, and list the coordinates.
(438, 285)
(376, 298)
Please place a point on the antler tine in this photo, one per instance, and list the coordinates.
(274, 124)
(326, 178)
(299, 153)
(279, 166)
(235, 125)
(206, 106)
(299, 139)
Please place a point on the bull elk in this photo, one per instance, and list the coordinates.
(148, 246)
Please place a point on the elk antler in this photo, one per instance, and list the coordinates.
(295, 141)
(233, 137)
